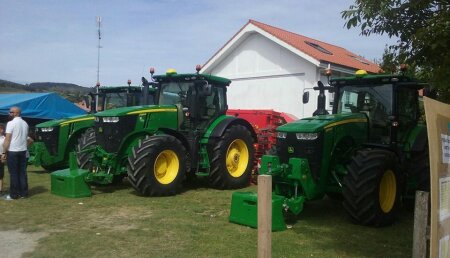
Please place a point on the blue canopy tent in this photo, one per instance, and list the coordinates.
(38, 107)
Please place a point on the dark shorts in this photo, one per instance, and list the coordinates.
(2, 170)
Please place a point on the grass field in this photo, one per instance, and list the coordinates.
(115, 222)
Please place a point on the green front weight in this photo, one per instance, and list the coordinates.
(244, 210)
(70, 182)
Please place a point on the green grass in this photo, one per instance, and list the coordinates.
(115, 222)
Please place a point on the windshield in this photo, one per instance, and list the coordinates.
(115, 100)
(373, 98)
(118, 99)
(174, 92)
(375, 101)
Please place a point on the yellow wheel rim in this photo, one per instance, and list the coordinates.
(166, 167)
(388, 191)
(237, 158)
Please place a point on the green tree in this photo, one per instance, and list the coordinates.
(423, 31)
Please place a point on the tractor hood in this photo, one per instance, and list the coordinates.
(58, 122)
(318, 123)
(136, 110)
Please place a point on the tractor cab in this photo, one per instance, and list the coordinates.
(199, 98)
(114, 97)
(389, 102)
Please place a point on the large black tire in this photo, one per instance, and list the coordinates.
(372, 188)
(86, 140)
(156, 167)
(232, 159)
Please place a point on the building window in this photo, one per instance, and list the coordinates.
(359, 59)
(318, 47)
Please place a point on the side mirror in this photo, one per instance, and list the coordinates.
(93, 104)
(144, 81)
(430, 92)
(305, 97)
(86, 101)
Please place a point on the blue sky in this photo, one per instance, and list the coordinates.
(56, 41)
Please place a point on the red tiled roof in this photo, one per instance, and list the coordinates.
(339, 55)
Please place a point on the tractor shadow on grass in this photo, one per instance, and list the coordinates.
(195, 184)
(318, 212)
(105, 189)
(324, 224)
(188, 185)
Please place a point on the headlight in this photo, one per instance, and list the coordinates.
(97, 119)
(306, 136)
(110, 119)
(281, 135)
(46, 129)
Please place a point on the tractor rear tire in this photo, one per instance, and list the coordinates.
(232, 159)
(86, 140)
(156, 167)
(372, 188)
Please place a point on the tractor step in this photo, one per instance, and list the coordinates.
(70, 182)
(244, 210)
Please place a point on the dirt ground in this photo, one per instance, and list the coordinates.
(15, 243)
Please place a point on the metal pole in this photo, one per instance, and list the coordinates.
(99, 22)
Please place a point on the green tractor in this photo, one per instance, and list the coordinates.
(54, 140)
(187, 134)
(371, 152)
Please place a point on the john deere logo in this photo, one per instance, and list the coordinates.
(290, 149)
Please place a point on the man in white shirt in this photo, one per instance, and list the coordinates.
(15, 146)
(2, 157)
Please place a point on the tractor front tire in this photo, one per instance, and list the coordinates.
(372, 188)
(86, 140)
(156, 167)
(232, 159)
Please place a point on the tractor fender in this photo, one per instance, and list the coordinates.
(220, 128)
(133, 139)
(398, 153)
(177, 135)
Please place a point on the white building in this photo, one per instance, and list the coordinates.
(270, 68)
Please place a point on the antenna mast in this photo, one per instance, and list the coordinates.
(99, 24)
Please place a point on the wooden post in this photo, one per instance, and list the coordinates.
(420, 225)
(264, 216)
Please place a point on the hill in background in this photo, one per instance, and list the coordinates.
(71, 92)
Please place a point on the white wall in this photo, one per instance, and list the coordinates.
(267, 76)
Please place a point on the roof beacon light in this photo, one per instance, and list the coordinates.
(360, 73)
(328, 70)
(198, 68)
(97, 85)
(403, 68)
(152, 70)
(129, 82)
(171, 71)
